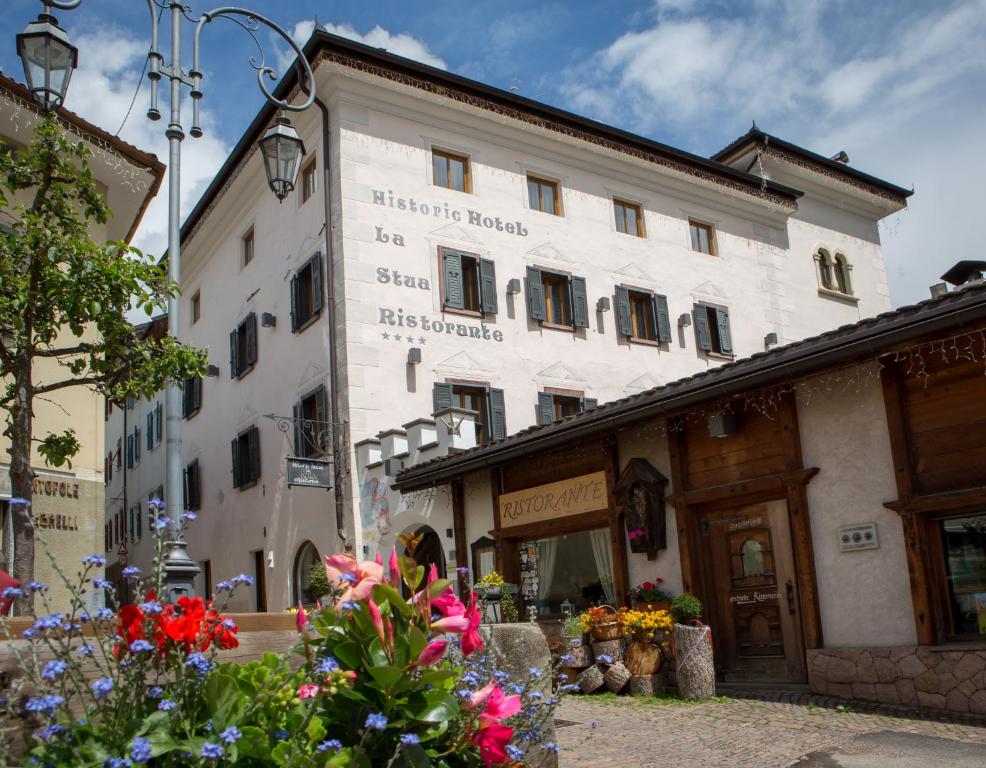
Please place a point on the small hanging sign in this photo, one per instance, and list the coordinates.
(313, 473)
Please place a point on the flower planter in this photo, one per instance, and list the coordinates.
(609, 629)
(661, 605)
(643, 658)
(694, 665)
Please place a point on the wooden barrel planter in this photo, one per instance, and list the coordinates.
(643, 658)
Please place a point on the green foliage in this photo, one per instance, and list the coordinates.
(58, 449)
(571, 627)
(508, 607)
(318, 583)
(686, 607)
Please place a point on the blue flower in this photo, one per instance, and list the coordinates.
(29, 634)
(105, 614)
(550, 746)
(566, 659)
(140, 750)
(211, 751)
(329, 744)
(189, 515)
(326, 666)
(141, 646)
(281, 735)
(151, 607)
(44, 703)
(463, 571)
(514, 752)
(352, 578)
(48, 732)
(243, 579)
(117, 762)
(570, 688)
(36, 586)
(167, 705)
(97, 561)
(350, 605)
(54, 621)
(156, 692)
(161, 522)
(375, 720)
(224, 586)
(155, 504)
(537, 695)
(200, 664)
(605, 658)
(102, 687)
(130, 572)
(54, 669)
(410, 738)
(101, 583)
(231, 735)
(534, 672)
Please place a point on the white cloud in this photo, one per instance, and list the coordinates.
(401, 43)
(901, 93)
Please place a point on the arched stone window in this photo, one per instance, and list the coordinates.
(303, 561)
(841, 268)
(824, 265)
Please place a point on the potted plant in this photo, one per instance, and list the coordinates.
(571, 629)
(602, 622)
(650, 596)
(643, 657)
(695, 668)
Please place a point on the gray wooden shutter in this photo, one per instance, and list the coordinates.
(316, 283)
(589, 403)
(233, 362)
(702, 334)
(663, 316)
(580, 303)
(498, 414)
(237, 479)
(136, 444)
(442, 396)
(454, 290)
(299, 432)
(150, 431)
(546, 408)
(623, 323)
(487, 286)
(536, 307)
(322, 428)
(294, 303)
(251, 338)
(196, 393)
(130, 451)
(725, 338)
(253, 453)
(158, 422)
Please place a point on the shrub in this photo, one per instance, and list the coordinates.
(571, 627)
(318, 582)
(685, 608)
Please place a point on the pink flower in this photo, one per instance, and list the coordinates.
(492, 742)
(434, 651)
(499, 708)
(307, 691)
(448, 604)
(471, 639)
(456, 624)
(394, 569)
(378, 559)
(377, 619)
(432, 574)
(301, 618)
(357, 578)
(480, 697)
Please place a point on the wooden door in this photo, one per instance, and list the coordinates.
(754, 609)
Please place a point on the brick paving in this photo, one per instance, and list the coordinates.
(770, 730)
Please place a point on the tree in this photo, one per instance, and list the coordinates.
(64, 299)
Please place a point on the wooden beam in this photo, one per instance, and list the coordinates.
(970, 498)
(459, 532)
(685, 520)
(617, 539)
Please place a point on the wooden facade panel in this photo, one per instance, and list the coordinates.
(732, 473)
(757, 449)
(543, 468)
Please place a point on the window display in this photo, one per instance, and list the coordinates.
(574, 569)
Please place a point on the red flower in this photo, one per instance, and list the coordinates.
(130, 628)
(492, 741)
(471, 639)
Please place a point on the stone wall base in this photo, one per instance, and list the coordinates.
(946, 679)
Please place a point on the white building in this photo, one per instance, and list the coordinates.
(488, 252)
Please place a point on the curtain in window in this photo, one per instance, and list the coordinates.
(547, 557)
(603, 553)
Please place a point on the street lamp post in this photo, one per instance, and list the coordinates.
(48, 63)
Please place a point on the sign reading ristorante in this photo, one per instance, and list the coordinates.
(585, 493)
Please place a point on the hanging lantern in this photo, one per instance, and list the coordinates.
(49, 59)
(283, 152)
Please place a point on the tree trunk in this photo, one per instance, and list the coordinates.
(21, 481)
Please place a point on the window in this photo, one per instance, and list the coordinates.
(150, 431)
(556, 299)
(243, 347)
(643, 315)
(712, 329)
(833, 273)
(119, 452)
(629, 218)
(554, 406)
(130, 451)
(703, 237)
(193, 488)
(306, 559)
(306, 293)
(491, 420)
(450, 171)
(259, 581)
(311, 424)
(107, 408)
(246, 458)
(542, 195)
(108, 470)
(247, 247)
(158, 423)
(468, 282)
(196, 307)
(191, 396)
(574, 568)
(139, 518)
(136, 445)
(309, 181)
(965, 569)
(207, 578)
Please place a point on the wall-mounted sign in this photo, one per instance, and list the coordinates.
(856, 537)
(585, 493)
(399, 318)
(314, 473)
(443, 212)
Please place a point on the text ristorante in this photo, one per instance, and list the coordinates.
(397, 317)
(445, 212)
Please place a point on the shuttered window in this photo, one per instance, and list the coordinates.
(643, 315)
(246, 458)
(557, 299)
(469, 282)
(243, 347)
(553, 406)
(191, 396)
(306, 293)
(130, 451)
(150, 431)
(489, 405)
(193, 487)
(136, 445)
(311, 424)
(712, 332)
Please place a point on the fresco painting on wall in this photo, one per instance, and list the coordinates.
(374, 508)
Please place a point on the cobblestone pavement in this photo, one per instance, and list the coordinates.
(770, 731)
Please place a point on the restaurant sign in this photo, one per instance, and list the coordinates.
(574, 496)
(314, 473)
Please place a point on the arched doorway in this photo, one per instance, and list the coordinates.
(428, 550)
(303, 561)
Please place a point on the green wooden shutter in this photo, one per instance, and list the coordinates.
(487, 286)
(317, 290)
(253, 453)
(663, 316)
(299, 432)
(454, 290)
(623, 323)
(295, 304)
(702, 334)
(580, 303)
(589, 403)
(546, 408)
(536, 306)
(498, 414)
(251, 338)
(322, 433)
(442, 396)
(725, 338)
(237, 479)
(234, 369)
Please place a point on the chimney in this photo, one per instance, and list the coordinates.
(964, 273)
(840, 157)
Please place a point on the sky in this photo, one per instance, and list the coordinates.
(900, 85)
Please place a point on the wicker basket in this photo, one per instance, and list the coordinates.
(608, 630)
